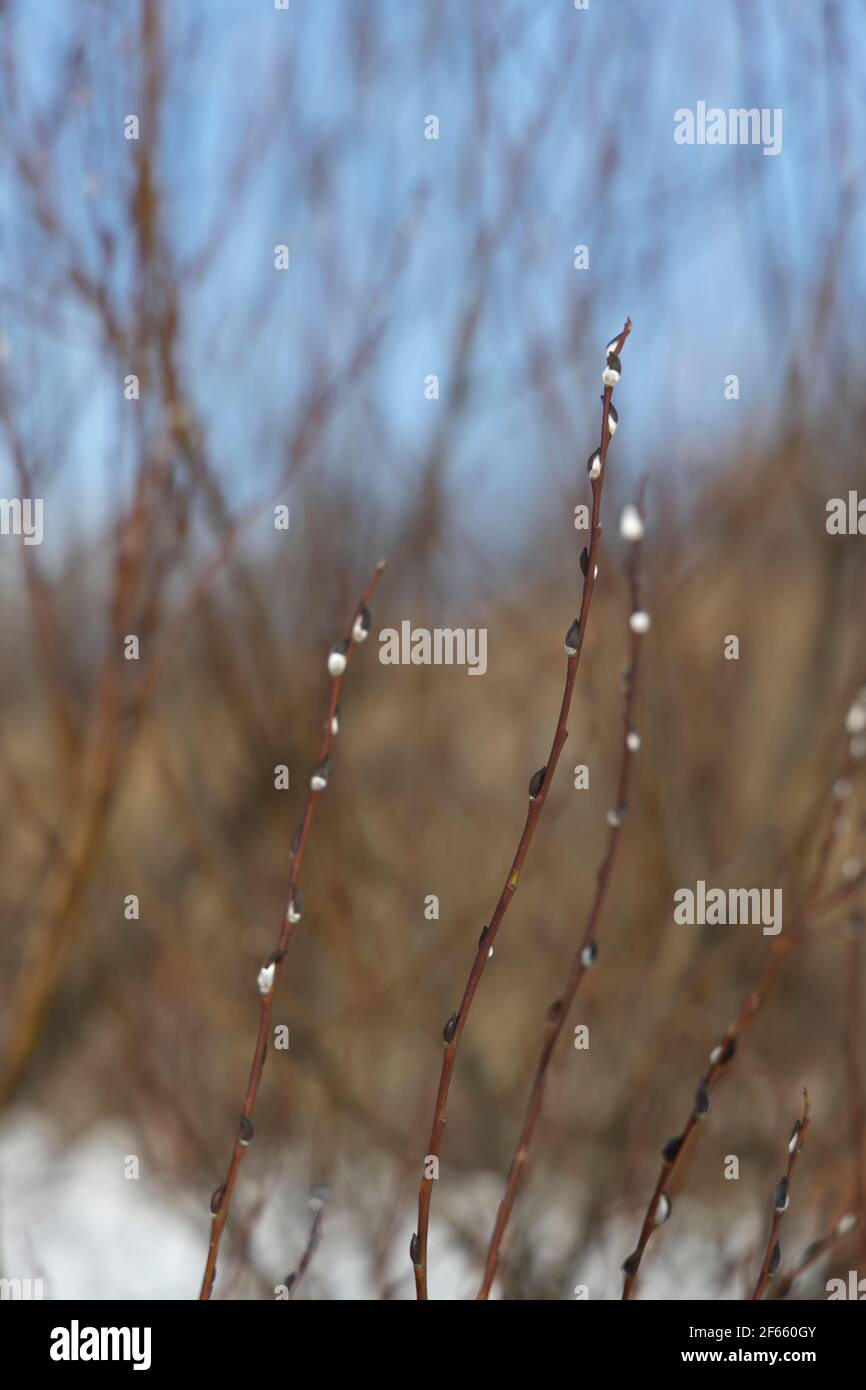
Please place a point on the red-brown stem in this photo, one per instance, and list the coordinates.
(795, 1146)
(293, 1281)
(816, 1251)
(729, 1045)
(536, 805)
(559, 1010)
(267, 1000)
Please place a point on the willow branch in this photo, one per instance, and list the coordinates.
(815, 902)
(585, 955)
(538, 789)
(318, 1200)
(781, 1200)
(814, 1252)
(271, 970)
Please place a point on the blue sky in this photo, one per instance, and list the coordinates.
(688, 241)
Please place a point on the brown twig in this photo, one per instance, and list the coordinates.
(538, 789)
(816, 1250)
(585, 955)
(659, 1206)
(272, 968)
(781, 1198)
(722, 1054)
(318, 1200)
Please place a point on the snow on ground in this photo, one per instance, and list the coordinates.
(70, 1216)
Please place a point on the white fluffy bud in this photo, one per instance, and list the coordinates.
(337, 659)
(631, 526)
(855, 721)
(361, 626)
(611, 374)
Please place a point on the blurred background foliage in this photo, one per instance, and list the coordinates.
(411, 257)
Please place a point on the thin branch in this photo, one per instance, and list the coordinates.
(584, 958)
(731, 1042)
(538, 789)
(272, 968)
(318, 1201)
(844, 1226)
(781, 1200)
(729, 1045)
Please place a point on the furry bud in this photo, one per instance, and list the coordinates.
(613, 370)
(631, 526)
(337, 659)
(855, 720)
(723, 1052)
(361, 626)
(321, 776)
(589, 955)
(662, 1210)
(320, 1195)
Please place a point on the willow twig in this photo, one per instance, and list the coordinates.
(318, 1200)
(729, 1045)
(814, 1252)
(815, 902)
(781, 1199)
(585, 955)
(538, 788)
(272, 967)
